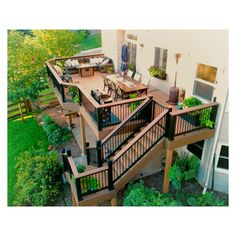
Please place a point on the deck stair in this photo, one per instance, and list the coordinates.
(119, 157)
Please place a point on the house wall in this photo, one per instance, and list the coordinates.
(196, 46)
(112, 41)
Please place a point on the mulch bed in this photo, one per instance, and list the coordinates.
(156, 181)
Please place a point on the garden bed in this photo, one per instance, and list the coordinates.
(156, 181)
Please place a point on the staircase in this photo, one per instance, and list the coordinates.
(126, 150)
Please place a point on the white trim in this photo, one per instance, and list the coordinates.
(218, 169)
(205, 82)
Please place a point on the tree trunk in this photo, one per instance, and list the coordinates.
(20, 109)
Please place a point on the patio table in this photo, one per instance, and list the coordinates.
(127, 86)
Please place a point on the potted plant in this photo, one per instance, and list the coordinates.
(202, 117)
(132, 67)
(157, 72)
(73, 91)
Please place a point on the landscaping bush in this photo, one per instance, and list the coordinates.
(56, 135)
(182, 170)
(80, 168)
(207, 199)
(38, 179)
(138, 195)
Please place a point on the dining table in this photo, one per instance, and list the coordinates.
(127, 85)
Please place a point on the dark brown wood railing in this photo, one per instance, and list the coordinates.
(102, 115)
(139, 118)
(166, 124)
(190, 119)
(139, 146)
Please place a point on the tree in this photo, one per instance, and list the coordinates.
(27, 55)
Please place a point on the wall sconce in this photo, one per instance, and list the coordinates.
(141, 45)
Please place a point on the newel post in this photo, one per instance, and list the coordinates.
(110, 179)
(172, 124)
(99, 153)
(64, 160)
(99, 118)
(78, 189)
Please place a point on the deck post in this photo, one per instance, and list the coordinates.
(172, 125)
(114, 201)
(99, 153)
(83, 134)
(166, 182)
(64, 160)
(110, 179)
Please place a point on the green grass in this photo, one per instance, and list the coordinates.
(46, 91)
(92, 41)
(21, 136)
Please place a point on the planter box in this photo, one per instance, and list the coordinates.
(192, 119)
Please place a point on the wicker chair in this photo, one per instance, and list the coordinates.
(120, 94)
(112, 88)
(106, 83)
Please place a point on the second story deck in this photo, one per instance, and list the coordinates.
(103, 118)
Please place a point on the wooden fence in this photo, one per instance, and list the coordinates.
(44, 101)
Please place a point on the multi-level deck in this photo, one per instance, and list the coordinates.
(136, 132)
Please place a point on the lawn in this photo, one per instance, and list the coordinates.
(92, 41)
(21, 137)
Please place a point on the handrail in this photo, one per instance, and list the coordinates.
(75, 57)
(94, 171)
(145, 130)
(191, 119)
(73, 167)
(125, 120)
(192, 109)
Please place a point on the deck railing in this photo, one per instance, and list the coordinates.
(102, 115)
(129, 126)
(191, 119)
(167, 123)
(139, 146)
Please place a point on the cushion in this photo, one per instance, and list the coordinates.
(58, 69)
(106, 61)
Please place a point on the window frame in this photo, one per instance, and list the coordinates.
(217, 157)
(213, 85)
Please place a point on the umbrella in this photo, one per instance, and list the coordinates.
(124, 58)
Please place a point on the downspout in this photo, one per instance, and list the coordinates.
(214, 146)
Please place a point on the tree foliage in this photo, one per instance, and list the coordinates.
(27, 54)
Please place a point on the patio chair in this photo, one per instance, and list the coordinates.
(145, 81)
(137, 76)
(120, 94)
(112, 88)
(130, 73)
(106, 83)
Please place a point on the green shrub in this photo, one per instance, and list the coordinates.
(81, 168)
(182, 170)
(138, 195)
(191, 102)
(47, 120)
(89, 184)
(207, 199)
(38, 179)
(56, 134)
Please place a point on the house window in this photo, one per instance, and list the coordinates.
(196, 148)
(132, 50)
(160, 58)
(204, 82)
(223, 157)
